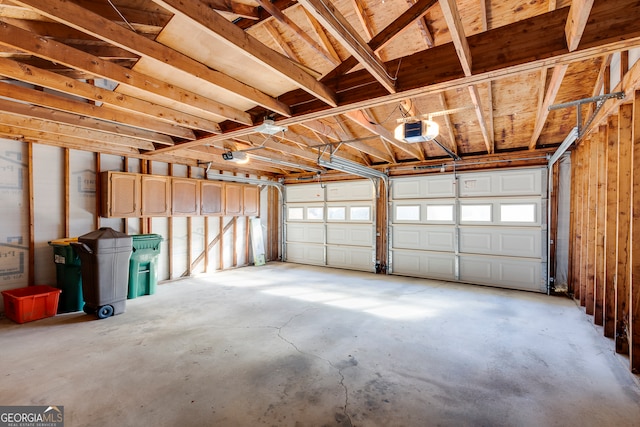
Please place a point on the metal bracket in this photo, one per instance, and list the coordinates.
(599, 100)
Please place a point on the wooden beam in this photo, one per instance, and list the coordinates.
(600, 225)
(215, 25)
(543, 108)
(44, 119)
(242, 10)
(447, 119)
(484, 127)
(423, 26)
(340, 28)
(611, 238)
(456, 29)
(625, 165)
(576, 22)
(363, 119)
(67, 202)
(364, 19)
(592, 183)
(279, 16)
(118, 101)
(114, 119)
(31, 273)
(322, 35)
(90, 23)
(634, 282)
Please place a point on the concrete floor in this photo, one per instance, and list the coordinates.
(291, 345)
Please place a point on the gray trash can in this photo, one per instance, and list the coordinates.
(104, 256)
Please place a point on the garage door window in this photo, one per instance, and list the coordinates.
(336, 213)
(475, 213)
(518, 213)
(315, 214)
(407, 213)
(439, 212)
(360, 213)
(296, 213)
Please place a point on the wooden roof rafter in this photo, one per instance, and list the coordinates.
(549, 98)
(86, 21)
(279, 16)
(340, 28)
(213, 24)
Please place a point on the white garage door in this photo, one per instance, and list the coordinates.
(331, 225)
(483, 227)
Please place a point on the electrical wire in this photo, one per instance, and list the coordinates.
(122, 16)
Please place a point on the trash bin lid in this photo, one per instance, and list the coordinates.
(63, 242)
(106, 238)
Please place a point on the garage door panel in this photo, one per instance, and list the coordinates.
(431, 238)
(423, 187)
(524, 242)
(492, 234)
(305, 253)
(501, 183)
(350, 234)
(352, 190)
(350, 257)
(307, 232)
(305, 193)
(424, 264)
(512, 273)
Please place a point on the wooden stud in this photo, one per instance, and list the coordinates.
(67, 203)
(553, 220)
(31, 210)
(600, 255)
(625, 126)
(189, 233)
(611, 242)
(591, 224)
(634, 283)
(98, 206)
(221, 251)
(170, 232)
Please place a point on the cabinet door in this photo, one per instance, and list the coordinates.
(233, 199)
(185, 197)
(212, 196)
(121, 194)
(156, 194)
(251, 200)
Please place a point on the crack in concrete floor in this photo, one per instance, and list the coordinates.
(339, 370)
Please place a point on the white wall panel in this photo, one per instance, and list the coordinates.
(48, 208)
(82, 192)
(14, 227)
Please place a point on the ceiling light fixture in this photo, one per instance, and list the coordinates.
(269, 127)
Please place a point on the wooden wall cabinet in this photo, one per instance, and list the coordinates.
(156, 195)
(251, 200)
(133, 195)
(121, 194)
(233, 194)
(185, 197)
(212, 198)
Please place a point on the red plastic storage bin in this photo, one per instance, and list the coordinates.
(31, 303)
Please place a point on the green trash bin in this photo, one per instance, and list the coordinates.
(143, 265)
(68, 275)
